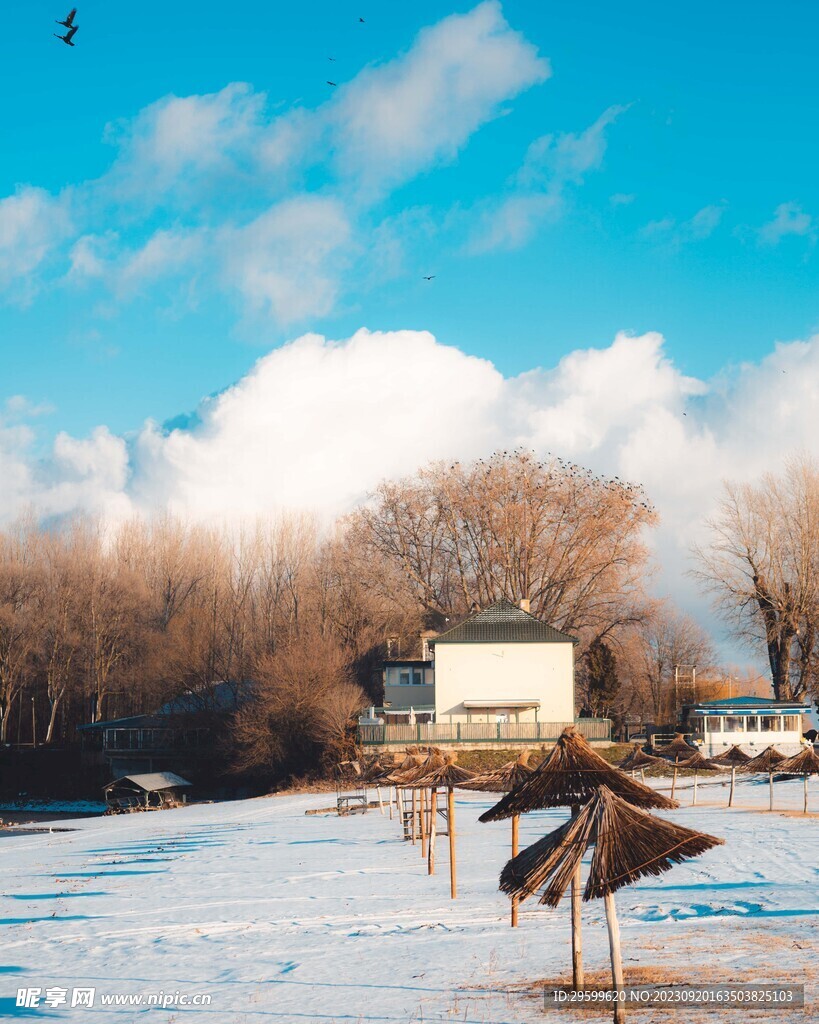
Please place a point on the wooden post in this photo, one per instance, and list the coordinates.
(694, 801)
(433, 804)
(515, 826)
(805, 808)
(389, 801)
(577, 927)
(380, 801)
(733, 780)
(414, 815)
(450, 827)
(674, 781)
(770, 791)
(643, 775)
(616, 956)
(423, 817)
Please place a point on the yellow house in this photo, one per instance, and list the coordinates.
(504, 665)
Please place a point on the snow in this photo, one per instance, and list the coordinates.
(287, 917)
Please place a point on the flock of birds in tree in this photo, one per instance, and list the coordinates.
(71, 31)
(70, 27)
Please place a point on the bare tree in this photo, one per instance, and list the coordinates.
(20, 587)
(512, 526)
(762, 567)
(652, 649)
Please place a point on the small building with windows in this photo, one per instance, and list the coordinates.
(409, 690)
(753, 723)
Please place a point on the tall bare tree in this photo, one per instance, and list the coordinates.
(761, 565)
(512, 526)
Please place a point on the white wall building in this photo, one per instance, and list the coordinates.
(504, 665)
(752, 723)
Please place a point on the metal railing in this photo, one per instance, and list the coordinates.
(479, 732)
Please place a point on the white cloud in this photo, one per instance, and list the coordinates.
(287, 262)
(788, 219)
(676, 233)
(551, 165)
(395, 119)
(32, 225)
(318, 423)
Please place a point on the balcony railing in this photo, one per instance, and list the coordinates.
(479, 732)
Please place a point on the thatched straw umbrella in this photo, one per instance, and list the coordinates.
(411, 762)
(447, 775)
(677, 749)
(805, 763)
(696, 764)
(374, 773)
(504, 780)
(768, 761)
(733, 757)
(569, 777)
(428, 800)
(629, 844)
(639, 760)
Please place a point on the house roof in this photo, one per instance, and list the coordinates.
(225, 696)
(503, 622)
(153, 782)
(748, 704)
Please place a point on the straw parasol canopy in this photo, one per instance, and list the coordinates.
(677, 748)
(804, 763)
(571, 775)
(638, 759)
(503, 779)
(442, 773)
(433, 761)
(629, 844)
(734, 755)
(768, 761)
(697, 763)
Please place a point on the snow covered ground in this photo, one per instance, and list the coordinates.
(279, 916)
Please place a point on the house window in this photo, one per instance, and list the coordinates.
(734, 723)
(410, 677)
(753, 723)
(404, 677)
(770, 723)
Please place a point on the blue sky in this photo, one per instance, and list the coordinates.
(712, 132)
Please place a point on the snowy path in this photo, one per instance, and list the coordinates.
(285, 917)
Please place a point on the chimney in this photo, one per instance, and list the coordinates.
(524, 605)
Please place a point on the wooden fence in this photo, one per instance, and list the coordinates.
(439, 733)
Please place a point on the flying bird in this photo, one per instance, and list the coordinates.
(334, 84)
(361, 21)
(332, 59)
(69, 35)
(431, 276)
(69, 18)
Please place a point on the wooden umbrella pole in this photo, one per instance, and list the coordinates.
(423, 817)
(578, 980)
(433, 803)
(450, 827)
(616, 957)
(805, 808)
(674, 781)
(695, 787)
(515, 828)
(399, 805)
(414, 815)
(389, 801)
(380, 801)
(643, 775)
(770, 791)
(733, 780)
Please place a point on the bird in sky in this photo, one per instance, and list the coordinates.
(334, 84)
(429, 278)
(361, 21)
(69, 18)
(332, 59)
(69, 35)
